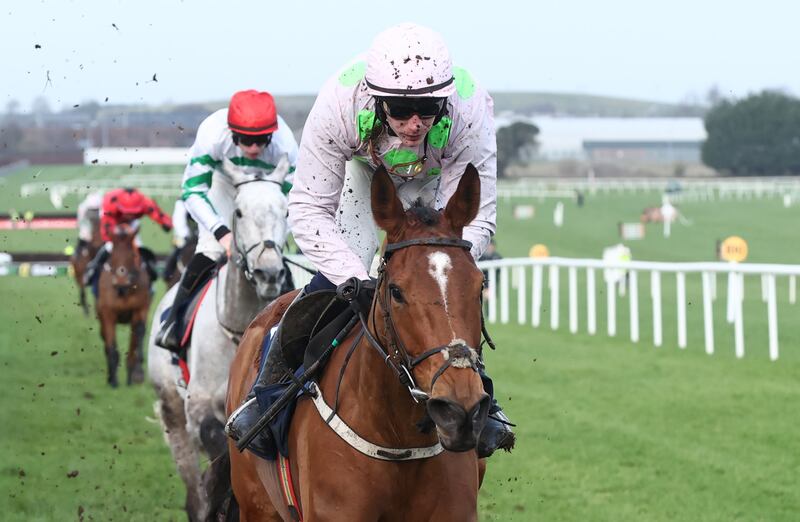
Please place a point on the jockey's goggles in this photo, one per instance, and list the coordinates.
(403, 108)
(262, 140)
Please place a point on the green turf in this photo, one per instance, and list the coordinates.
(607, 430)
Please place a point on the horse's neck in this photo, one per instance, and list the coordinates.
(372, 398)
(237, 301)
(123, 254)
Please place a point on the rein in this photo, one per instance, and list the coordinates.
(457, 354)
(242, 251)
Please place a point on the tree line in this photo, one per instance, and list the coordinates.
(755, 136)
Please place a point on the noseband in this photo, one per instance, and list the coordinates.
(457, 354)
(241, 252)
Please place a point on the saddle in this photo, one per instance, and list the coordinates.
(306, 331)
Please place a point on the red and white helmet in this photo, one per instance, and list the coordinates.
(409, 60)
(253, 113)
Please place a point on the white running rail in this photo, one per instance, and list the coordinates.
(507, 273)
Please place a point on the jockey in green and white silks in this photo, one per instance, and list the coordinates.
(404, 106)
(251, 135)
(207, 190)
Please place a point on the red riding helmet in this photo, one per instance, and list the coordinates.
(252, 113)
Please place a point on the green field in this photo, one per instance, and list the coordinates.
(608, 429)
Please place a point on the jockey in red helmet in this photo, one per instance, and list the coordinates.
(124, 206)
(250, 134)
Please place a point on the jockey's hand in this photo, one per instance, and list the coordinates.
(166, 228)
(225, 241)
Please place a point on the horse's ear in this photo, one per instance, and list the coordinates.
(282, 169)
(233, 170)
(386, 206)
(465, 202)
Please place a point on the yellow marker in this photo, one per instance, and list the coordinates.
(69, 250)
(538, 250)
(733, 249)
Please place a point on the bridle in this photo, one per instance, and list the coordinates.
(457, 354)
(240, 260)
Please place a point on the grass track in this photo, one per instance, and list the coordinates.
(608, 429)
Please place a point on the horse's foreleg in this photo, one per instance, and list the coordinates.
(136, 350)
(83, 303)
(108, 332)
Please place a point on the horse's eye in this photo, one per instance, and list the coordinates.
(238, 212)
(396, 294)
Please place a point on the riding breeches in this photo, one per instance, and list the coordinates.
(221, 195)
(354, 216)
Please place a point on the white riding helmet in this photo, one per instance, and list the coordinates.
(409, 60)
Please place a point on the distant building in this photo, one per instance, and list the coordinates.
(617, 140)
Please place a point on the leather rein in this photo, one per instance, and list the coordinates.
(458, 353)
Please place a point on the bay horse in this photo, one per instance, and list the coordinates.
(84, 254)
(193, 414)
(384, 455)
(123, 297)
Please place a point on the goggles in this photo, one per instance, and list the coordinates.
(403, 108)
(262, 140)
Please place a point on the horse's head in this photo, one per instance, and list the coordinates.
(429, 293)
(259, 227)
(125, 262)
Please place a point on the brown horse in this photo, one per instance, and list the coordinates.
(84, 254)
(651, 215)
(424, 325)
(124, 297)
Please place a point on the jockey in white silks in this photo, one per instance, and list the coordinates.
(250, 134)
(91, 203)
(407, 108)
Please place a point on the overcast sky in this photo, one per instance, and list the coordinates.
(200, 51)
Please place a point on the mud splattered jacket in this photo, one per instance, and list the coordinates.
(338, 129)
(214, 142)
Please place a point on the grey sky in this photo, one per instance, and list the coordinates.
(202, 51)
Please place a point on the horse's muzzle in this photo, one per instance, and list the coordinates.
(458, 429)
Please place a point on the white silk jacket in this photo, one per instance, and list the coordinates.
(338, 130)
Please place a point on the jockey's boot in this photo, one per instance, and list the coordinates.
(248, 414)
(82, 243)
(171, 264)
(497, 432)
(198, 267)
(99, 260)
(149, 263)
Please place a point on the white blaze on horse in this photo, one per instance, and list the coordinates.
(193, 417)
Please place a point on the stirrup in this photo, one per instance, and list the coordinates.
(164, 334)
(229, 429)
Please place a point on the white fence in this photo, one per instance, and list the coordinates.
(682, 189)
(502, 272)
